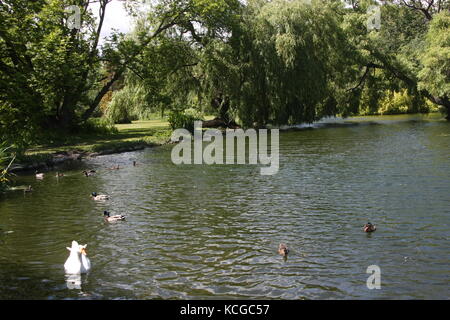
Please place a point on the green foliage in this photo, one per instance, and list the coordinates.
(379, 98)
(298, 58)
(53, 77)
(279, 62)
(398, 55)
(98, 126)
(435, 74)
(257, 61)
(44, 68)
(128, 104)
(184, 120)
(395, 103)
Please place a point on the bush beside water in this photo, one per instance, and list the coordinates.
(185, 119)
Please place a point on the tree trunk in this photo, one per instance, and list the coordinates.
(445, 102)
(66, 114)
(87, 114)
(448, 112)
(162, 27)
(222, 104)
(224, 108)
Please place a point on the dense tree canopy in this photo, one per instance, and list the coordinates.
(257, 62)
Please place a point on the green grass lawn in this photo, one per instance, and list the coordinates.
(134, 135)
(137, 135)
(143, 125)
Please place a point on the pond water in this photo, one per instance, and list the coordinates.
(212, 232)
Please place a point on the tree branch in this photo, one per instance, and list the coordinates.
(161, 28)
(364, 76)
(420, 8)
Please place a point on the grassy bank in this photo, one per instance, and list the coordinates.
(129, 137)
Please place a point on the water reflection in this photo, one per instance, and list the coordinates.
(73, 281)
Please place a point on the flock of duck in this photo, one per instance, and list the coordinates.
(78, 262)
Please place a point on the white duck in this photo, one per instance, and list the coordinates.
(39, 175)
(99, 197)
(78, 262)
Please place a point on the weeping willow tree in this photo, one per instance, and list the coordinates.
(297, 62)
(286, 62)
(283, 62)
(268, 62)
(163, 77)
(434, 77)
(404, 62)
(128, 104)
(275, 62)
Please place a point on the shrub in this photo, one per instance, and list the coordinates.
(185, 119)
(128, 104)
(402, 102)
(100, 126)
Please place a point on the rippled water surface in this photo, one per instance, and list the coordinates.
(204, 232)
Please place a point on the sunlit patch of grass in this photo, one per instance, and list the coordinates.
(143, 125)
(138, 134)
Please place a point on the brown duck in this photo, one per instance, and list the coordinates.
(283, 249)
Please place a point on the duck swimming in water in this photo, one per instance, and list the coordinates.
(99, 197)
(89, 173)
(283, 249)
(28, 189)
(59, 174)
(109, 218)
(368, 227)
(39, 175)
(78, 262)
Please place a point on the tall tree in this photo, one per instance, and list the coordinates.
(434, 77)
(54, 76)
(398, 49)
